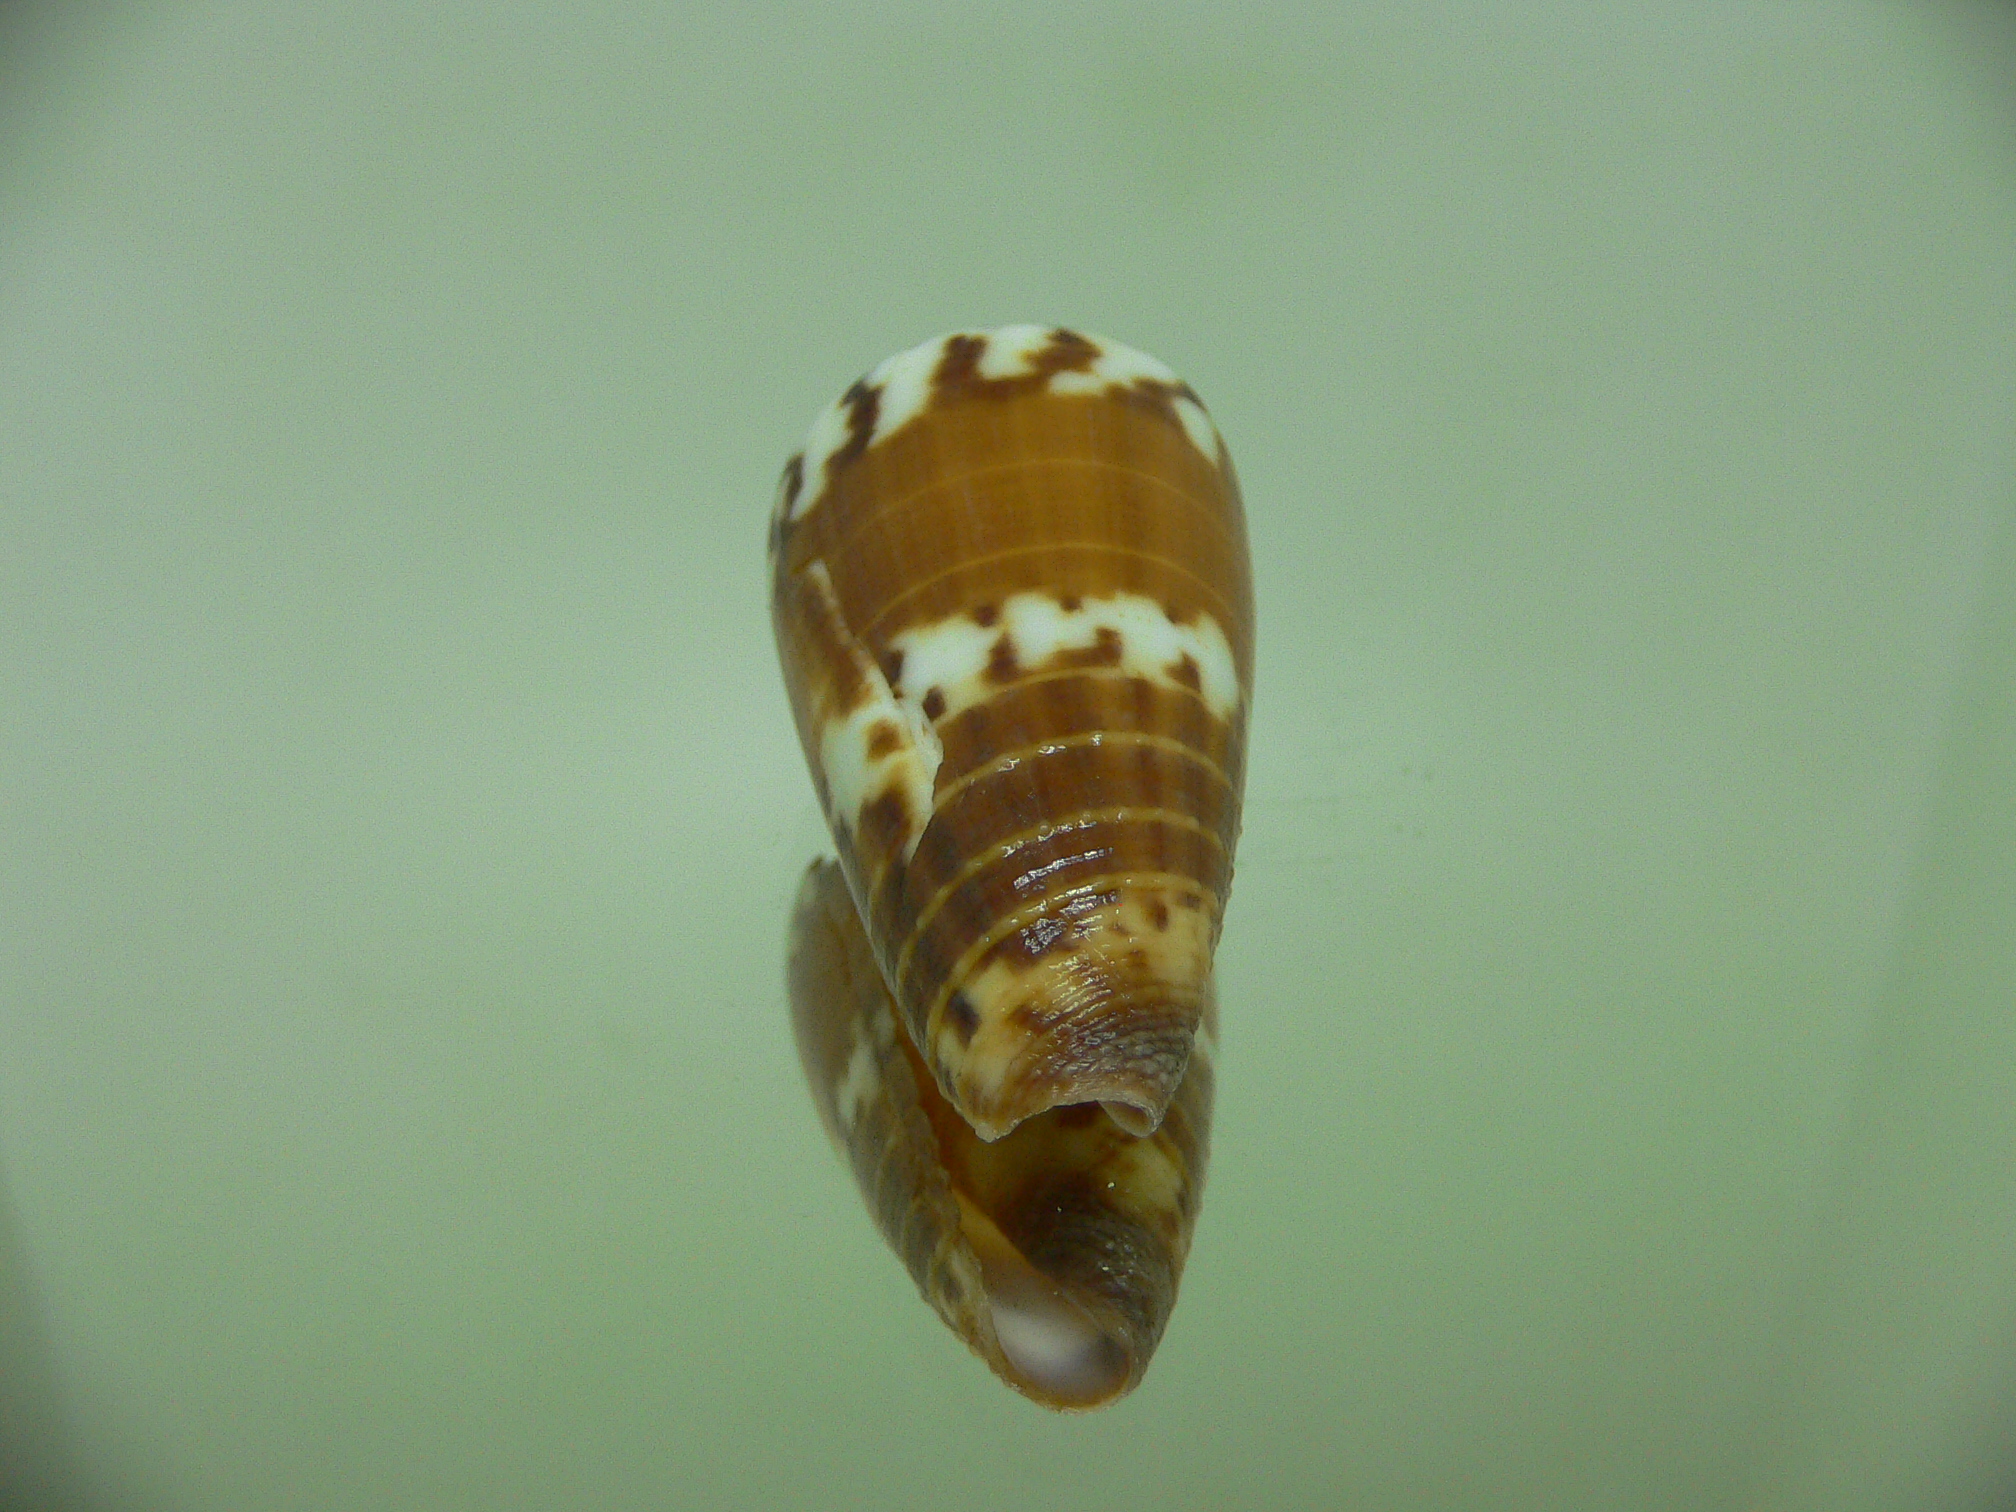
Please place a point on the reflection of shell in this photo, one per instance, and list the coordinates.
(1013, 604)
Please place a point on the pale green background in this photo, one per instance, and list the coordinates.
(1619, 1094)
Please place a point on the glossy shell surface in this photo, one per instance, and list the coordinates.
(1014, 610)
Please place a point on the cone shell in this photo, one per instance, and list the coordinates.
(1012, 599)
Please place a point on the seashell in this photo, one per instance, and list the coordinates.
(1014, 608)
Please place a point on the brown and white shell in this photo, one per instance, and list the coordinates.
(1013, 602)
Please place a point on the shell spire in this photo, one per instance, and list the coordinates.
(1014, 608)
(1054, 1252)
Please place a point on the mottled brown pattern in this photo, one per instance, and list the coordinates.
(1143, 846)
(1159, 1032)
(1105, 651)
(1066, 1191)
(822, 671)
(998, 485)
(1048, 924)
(958, 373)
(1014, 812)
(883, 824)
(1068, 571)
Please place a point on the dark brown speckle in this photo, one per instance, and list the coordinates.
(959, 367)
(1068, 352)
(1001, 664)
(963, 1016)
(883, 820)
(864, 401)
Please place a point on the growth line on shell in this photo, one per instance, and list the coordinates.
(1139, 739)
(1035, 907)
(959, 977)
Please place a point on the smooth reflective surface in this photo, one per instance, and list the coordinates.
(397, 1101)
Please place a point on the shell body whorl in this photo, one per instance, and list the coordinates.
(1014, 609)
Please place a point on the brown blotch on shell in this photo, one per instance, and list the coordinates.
(1159, 398)
(959, 366)
(1001, 664)
(884, 739)
(963, 1016)
(981, 857)
(885, 819)
(1107, 648)
(1185, 672)
(864, 402)
(1068, 352)
(958, 371)
(1150, 394)
(1074, 774)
